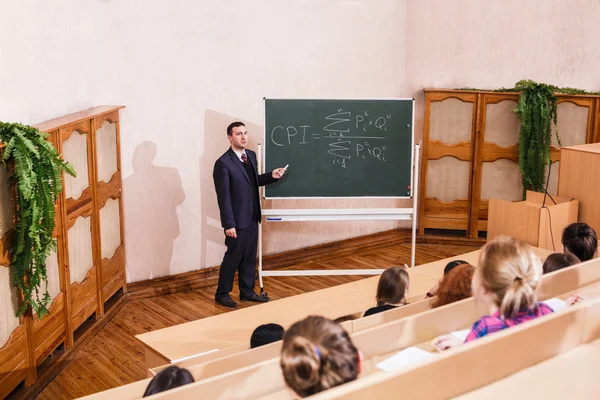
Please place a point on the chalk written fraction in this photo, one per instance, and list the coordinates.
(340, 148)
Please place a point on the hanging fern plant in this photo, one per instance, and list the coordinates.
(537, 110)
(38, 182)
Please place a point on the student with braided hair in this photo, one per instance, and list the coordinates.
(317, 354)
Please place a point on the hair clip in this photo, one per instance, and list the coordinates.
(318, 352)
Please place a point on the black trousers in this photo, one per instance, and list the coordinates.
(240, 256)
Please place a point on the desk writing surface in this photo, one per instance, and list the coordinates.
(570, 375)
(235, 327)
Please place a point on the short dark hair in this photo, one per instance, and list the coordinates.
(580, 240)
(168, 378)
(265, 334)
(233, 125)
(453, 264)
(556, 261)
(344, 318)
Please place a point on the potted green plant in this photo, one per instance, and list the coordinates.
(36, 176)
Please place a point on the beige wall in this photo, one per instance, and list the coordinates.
(185, 69)
(495, 43)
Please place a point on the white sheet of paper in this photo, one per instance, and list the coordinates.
(556, 304)
(462, 335)
(404, 358)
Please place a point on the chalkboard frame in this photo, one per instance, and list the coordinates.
(263, 151)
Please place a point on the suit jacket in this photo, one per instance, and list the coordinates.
(234, 189)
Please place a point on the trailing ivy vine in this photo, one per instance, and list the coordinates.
(536, 109)
(38, 182)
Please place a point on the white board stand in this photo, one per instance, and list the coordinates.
(359, 214)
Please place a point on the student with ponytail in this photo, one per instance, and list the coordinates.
(505, 280)
(317, 354)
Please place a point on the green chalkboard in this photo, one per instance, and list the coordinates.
(340, 148)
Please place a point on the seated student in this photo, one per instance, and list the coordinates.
(317, 354)
(344, 318)
(580, 240)
(454, 286)
(391, 290)
(168, 378)
(265, 334)
(449, 267)
(556, 261)
(504, 281)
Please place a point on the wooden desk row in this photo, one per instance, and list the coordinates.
(234, 328)
(474, 366)
(256, 373)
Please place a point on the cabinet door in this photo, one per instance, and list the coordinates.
(13, 345)
(496, 173)
(50, 331)
(111, 251)
(79, 222)
(447, 160)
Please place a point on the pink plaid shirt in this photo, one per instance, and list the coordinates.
(494, 323)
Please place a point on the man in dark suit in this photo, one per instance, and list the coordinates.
(236, 183)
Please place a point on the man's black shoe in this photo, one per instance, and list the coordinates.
(256, 298)
(226, 301)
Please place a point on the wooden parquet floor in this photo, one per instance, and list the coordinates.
(114, 357)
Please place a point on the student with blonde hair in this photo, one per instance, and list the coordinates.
(392, 290)
(505, 280)
(317, 354)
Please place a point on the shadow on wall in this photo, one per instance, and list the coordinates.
(212, 245)
(154, 193)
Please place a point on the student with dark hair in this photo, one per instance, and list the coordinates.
(168, 378)
(453, 264)
(347, 317)
(265, 334)
(556, 261)
(318, 354)
(449, 267)
(391, 290)
(580, 240)
(454, 286)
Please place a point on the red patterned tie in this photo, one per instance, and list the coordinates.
(245, 159)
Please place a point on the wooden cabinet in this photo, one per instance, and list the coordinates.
(470, 153)
(88, 268)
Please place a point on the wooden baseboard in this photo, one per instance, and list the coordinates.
(59, 359)
(209, 276)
